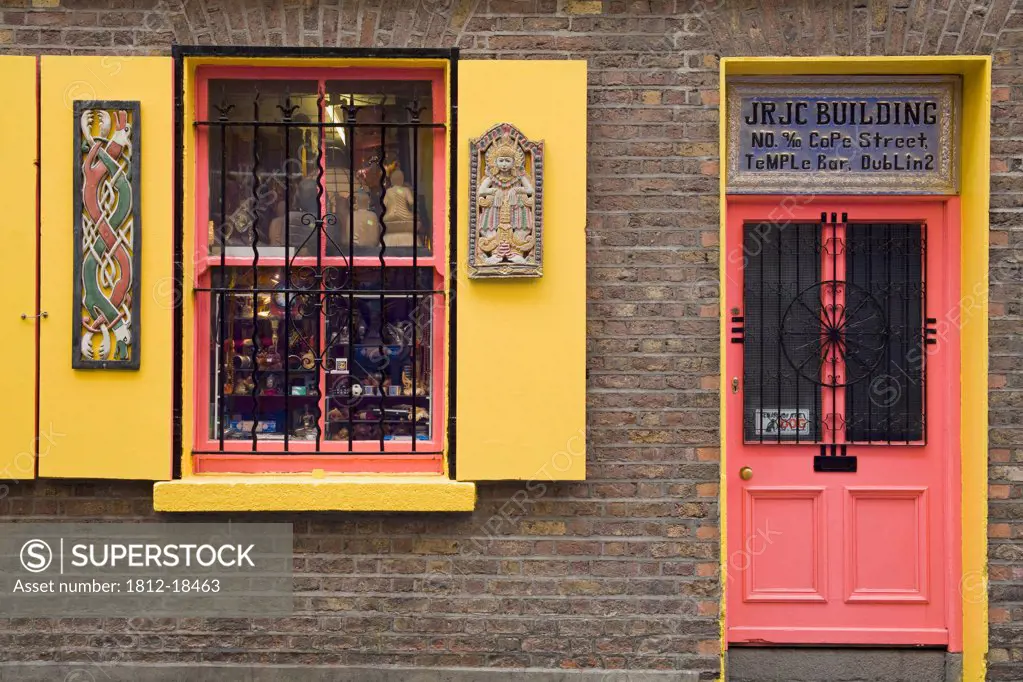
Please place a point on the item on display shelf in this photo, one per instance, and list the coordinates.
(406, 381)
(370, 386)
(244, 307)
(229, 365)
(365, 221)
(401, 333)
(357, 390)
(298, 390)
(270, 385)
(244, 386)
(307, 428)
(398, 200)
(505, 204)
(339, 389)
(270, 358)
(244, 426)
(280, 298)
(341, 365)
(363, 431)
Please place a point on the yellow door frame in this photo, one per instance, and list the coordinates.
(975, 154)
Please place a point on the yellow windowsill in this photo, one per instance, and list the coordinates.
(308, 493)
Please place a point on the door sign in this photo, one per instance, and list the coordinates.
(864, 135)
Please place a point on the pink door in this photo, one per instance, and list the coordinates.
(842, 421)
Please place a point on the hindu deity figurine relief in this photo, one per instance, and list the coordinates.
(505, 204)
(107, 236)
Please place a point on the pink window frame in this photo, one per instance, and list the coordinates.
(334, 456)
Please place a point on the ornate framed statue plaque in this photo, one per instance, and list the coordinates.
(505, 204)
(107, 236)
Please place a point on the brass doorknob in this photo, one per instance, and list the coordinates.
(745, 473)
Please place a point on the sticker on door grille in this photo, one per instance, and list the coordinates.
(773, 423)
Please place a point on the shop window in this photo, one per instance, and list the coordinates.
(321, 313)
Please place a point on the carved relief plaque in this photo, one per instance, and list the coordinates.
(505, 204)
(107, 236)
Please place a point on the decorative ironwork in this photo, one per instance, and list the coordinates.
(323, 337)
(815, 353)
(505, 204)
(833, 332)
(107, 236)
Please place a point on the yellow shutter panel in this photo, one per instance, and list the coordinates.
(108, 423)
(521, 344)
(18, 267)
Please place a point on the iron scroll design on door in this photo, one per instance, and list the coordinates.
(834, 333)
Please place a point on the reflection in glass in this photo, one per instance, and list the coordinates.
(255, 170)
(393, 166)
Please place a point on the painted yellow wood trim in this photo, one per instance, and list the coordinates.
(722, 347)
(114, 424)
(521, 349)
(18, 137)
(976, 170)
(308, 493)
(974, 202)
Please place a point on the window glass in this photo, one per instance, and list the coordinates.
(376, 352)
(321, 282)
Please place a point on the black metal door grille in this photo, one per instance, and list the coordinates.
(318, 336)
(834, 332)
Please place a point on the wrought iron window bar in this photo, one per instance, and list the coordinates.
(834, 331)
(323, 290)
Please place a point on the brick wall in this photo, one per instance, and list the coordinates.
(619, 571)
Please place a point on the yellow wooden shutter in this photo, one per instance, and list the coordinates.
(108, 423)
(521, 344)
(18, 267)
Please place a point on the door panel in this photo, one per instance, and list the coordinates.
(833, 359)
(784, 554)
(549, 312)
(113, 423)
(886, 551)
(18, 271)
